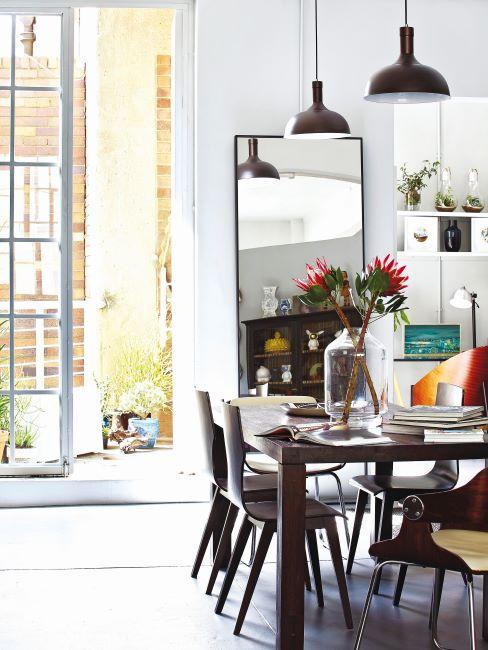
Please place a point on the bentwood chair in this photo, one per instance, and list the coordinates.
(264, 515)
(263, 464)
(461, 543)
(254, 486)
(390, 489)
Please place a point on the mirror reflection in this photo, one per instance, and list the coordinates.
(296, 201)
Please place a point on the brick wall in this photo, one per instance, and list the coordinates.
(37, 121)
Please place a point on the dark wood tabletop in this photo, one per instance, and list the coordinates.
(292, 457)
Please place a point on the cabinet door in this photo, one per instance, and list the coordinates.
(314, 335)
(272, 350)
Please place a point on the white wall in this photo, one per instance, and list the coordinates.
(247, 77)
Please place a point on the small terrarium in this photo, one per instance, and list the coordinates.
(473, 201)
(445, 201)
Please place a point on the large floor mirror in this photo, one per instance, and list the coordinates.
(296, 200)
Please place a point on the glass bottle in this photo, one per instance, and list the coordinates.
(445, 201)
(339, 359)
(473, 201)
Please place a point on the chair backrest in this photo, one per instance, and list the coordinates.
(235, 450)
(468, 370)
(270, 400)
(213, 444)
(485, 396)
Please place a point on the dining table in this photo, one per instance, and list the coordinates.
(292, 458)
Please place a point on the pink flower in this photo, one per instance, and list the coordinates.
(315, 276)
(398, 282)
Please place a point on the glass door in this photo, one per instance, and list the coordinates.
(35, 242)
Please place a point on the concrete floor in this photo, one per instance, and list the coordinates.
(117, 577)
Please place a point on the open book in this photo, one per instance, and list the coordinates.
(322, 434)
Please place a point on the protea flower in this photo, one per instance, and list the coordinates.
(315, 276)
(397, 281)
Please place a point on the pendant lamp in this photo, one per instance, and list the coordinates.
(317, 122)
(407, 81)
(255, 169)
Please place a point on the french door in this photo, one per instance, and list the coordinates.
(36, 241)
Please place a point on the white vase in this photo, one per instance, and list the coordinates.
(269, 303)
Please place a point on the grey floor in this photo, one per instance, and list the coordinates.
(117, 577)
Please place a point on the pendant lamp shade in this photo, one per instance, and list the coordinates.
(255, 169)
(317, 122)
(407, 81)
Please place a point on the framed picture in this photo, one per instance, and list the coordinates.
(421, 234)
(437, 341)
(479, 234)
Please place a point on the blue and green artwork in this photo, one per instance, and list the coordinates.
(433, 341)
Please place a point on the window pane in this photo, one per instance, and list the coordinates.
(36, 428)
(5, 49)
(43, 35)
(4, 360)
(36, 353)
(4, 125)
(36, 272)
(4, 201)
(37, 201)
(37, 125)
(4, 278)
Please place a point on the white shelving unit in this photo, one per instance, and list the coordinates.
(434, 213)
(442, 254)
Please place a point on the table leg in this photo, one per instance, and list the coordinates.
(485, 608)
(290, 574)
(383, 469)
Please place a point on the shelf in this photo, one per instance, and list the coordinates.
(313, 351)
(433, 213)
(312, 382)
(267, 355)
(442, 254)
(409, 359)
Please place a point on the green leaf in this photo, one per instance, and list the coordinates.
(404, 317)
(317, 294)
(330, 282)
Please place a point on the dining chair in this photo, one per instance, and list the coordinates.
(264, 515)
(460, 544)
(222, 513)
(263, 464)
(390, 489)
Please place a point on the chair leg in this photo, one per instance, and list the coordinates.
(317, 496)
(436, 599)
(253, 548)
(440, 578)
(385, 531)
(263, 546)
(399, 585)
(313, 552)
(216, 518)
(239, 547)
(308, 584)
(361, 502)
(472, 628)
(367, 604)
(224, 542)
(343, 507)
(336, 556)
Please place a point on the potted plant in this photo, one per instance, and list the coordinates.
(445, 201)
(105, 391)
(412, 183)
(144, 399)
(25, 437)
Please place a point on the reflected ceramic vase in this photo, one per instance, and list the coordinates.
(149, 428)
(269, 303)
(339, 358)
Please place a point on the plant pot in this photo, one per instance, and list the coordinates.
(472, 208)
(149, 428)
(105, 442)
(413, 200)
(444, 208)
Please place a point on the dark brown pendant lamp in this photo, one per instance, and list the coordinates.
(317, 122)
(256, 169)
(407, 81)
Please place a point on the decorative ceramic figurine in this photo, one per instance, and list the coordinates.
(269, 303)
(346, 291)
(285, 306)
(313, 340)
(277, 343)
(263, 375)
(286, 374)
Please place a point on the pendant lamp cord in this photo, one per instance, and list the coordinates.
(406, 12)
(317, 45)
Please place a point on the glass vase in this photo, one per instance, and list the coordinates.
(445, 201)
(413, 200)
(473, 201)
(340, 357)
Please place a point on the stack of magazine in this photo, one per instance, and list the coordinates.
(439, 423)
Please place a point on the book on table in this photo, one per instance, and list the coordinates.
(437, 413)
(323, 434)
(417, 428)
(454, 435)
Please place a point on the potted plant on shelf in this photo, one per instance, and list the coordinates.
(445, 201)
(355, 363)
(412, 184)
(144, 399)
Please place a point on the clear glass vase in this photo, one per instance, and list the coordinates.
(339, 361)
(473, 201)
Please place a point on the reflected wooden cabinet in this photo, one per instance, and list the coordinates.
(282, 341)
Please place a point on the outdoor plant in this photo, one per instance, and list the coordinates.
(379, 292)
(143, 398)
(412, 183)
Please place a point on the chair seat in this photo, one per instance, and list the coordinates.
(470, 545)
(254, 483)
(404, 485)
(262, 463)
(268, 510)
